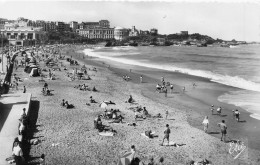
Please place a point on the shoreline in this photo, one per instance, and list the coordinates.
(67, 135)
(212, 91)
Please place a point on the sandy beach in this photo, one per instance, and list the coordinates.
(68, 136)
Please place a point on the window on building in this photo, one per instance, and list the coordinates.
(30, 36)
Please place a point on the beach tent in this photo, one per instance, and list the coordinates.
(104, 104)
(28, 69)
(34, 72)
(125, 159)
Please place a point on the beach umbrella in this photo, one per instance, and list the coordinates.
(125, 159)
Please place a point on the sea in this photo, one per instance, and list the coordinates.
(238, 66)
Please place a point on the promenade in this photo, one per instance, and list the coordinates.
(11, 106)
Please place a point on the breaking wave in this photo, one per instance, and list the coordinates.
(234, 81)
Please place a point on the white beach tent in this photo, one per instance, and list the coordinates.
(104, 104)
(125, 159)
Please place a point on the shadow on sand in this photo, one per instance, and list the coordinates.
(32, 129)
(5, 110)
(211, 133)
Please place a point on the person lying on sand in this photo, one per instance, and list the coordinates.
(158, 116)
(68, 106)
(92, 100)
(137, 115)
(136, 108)
(131, 124)
(119, 119)
(149, 134)
(94, 89)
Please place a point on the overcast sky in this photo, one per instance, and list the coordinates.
(240, 21)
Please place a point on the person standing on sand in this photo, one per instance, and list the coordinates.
(133, 151)
(73, 73)
(171, 87)
(162, 79)
(183, 89)
(24, 89)
(206, 124)
(223, 128)
(141, 79)
(237, 115)
(166, 114)
(166, 134)
(219, 110)
(212, 109)
(165, 91)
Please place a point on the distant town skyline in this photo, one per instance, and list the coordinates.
(240, 21)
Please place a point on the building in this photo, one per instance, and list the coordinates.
(104, 23)
(49, 26)
(99, 30)
(184, 33)
(154, 31)
(144, 32)
(2, 23)
(100, 33)
(120, 33)
(133, 32)
(22, 36)
(100, 24)
(74, 25)
(67, 27)
(60, 25)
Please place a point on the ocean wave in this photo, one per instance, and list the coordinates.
(234, 81)
(123, 48)
(244, 57)
(248, 100)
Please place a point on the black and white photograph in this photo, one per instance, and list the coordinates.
(137, 82)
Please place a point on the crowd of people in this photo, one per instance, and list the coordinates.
(114, 115)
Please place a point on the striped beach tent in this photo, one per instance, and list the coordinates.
(125, 159)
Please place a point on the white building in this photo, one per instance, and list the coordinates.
(22, 36)
(120, 33)
(101, 33)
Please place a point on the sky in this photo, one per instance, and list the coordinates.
(218, 19)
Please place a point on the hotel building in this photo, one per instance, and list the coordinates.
(99, 30)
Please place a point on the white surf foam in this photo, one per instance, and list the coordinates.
(247, 100)
(234, 81)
